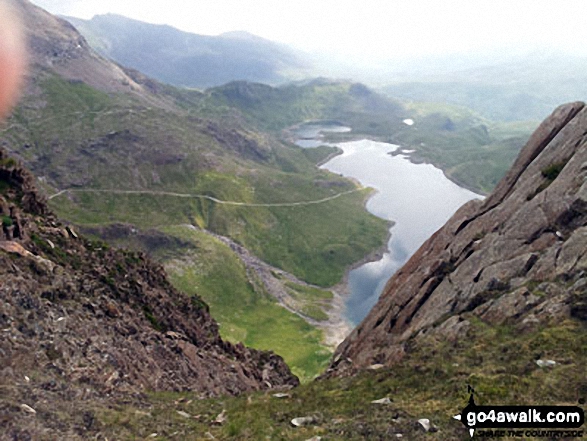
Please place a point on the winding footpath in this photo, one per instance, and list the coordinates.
(203, 196)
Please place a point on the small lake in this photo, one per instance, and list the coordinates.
(417, 197)
(311, 135)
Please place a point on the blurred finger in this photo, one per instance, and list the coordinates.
(12, 57)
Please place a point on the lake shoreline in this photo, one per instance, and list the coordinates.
(418, 196)
(330, 139)
(412, 194)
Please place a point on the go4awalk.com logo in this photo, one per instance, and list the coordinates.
(522, 421)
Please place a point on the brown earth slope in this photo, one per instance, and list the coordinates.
(517, 258)
(82, 323)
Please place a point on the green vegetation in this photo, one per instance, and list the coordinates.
(70, 96)
(113, 142)
(7, 221)
(188, 143)
(499, 99)
(8, 162)
(430, 382)
(318, 155)
(552, 171)
(245, 312)
(314, 301)
(472, 150)
(307, 240)
(352, 104)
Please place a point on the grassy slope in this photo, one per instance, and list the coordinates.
(431, 382)
(472, 150)
(212, 270)
(85, 138)
(104, 142)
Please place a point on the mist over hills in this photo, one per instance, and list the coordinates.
(503, 85)
(187, 59)
(509, 87)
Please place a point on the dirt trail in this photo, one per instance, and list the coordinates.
(203, 196)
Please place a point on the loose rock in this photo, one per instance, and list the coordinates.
(546, 363)
(425, 423)
(303, 421)
(376, 367)
(28, 409)
(385, 400)
(221, 418)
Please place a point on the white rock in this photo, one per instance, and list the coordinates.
(408, 122)
(545, 363)
(27, 379)
(183, 414)
(425, 423)
(281, 395)
(376, 367)
(399, 435)
(302, 421)
(153, 435)
(221, 418)
(28, 409)
(385, 400)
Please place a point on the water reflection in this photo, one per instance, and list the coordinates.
(417, 197)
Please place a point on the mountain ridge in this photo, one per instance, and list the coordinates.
(187, 59)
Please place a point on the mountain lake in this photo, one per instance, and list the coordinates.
(418, 198)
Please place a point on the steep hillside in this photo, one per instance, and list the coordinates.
(473, 151)
(186, 59)
(495, 300)
(56, 45)
(82, 320)
(276, 108)
(160, 160)
(518, 258)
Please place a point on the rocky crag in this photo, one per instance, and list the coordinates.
(83, 323)
(518, 258)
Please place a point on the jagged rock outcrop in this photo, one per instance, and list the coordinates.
(519, 257)
(82, 322)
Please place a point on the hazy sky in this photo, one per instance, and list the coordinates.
(367, 28)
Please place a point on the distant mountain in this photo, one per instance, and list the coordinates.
(186, 59)
(516, 88)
